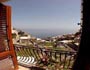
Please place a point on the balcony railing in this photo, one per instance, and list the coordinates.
(41, 57)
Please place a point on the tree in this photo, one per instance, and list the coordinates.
(21, 33)
(14, 35)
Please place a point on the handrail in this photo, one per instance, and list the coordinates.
(64, 58)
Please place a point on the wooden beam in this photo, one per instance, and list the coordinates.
(5, 54)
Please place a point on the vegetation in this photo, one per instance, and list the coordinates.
(21, 33)
(14, 35)
(48, 43)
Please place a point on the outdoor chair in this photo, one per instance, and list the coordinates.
(26, 61)
(24, 56)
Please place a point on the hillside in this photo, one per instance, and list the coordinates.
(63, 42)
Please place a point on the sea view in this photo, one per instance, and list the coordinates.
(43, 33)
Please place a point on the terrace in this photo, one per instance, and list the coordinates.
(29, 58)
(52, 57)
(26, 57)
(11, 56)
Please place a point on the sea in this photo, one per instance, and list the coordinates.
(44, 33)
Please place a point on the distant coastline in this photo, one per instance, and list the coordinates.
(43, 33)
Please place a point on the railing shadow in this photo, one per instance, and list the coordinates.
(36, 68)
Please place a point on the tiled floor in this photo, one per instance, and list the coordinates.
(6, 64)
(23, 68)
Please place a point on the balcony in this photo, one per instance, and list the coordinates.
(31, 58)
(44, 59)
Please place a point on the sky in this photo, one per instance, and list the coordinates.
(45, 14)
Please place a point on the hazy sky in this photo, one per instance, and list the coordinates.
(45, 14)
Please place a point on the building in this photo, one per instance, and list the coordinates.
(25, 40)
